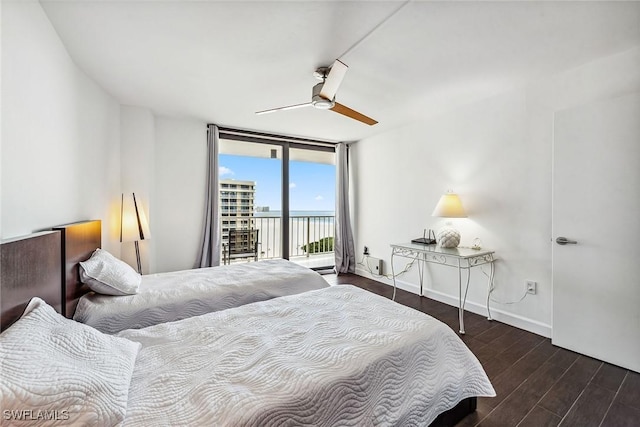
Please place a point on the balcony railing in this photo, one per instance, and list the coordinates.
(309, 235)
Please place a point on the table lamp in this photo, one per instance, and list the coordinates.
(133, 224)
(449, 206)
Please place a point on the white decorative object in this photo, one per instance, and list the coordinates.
(449, 206)
(477, 244)
(448, 237)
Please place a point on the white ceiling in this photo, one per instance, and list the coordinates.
(221, 61)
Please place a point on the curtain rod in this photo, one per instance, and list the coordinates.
(268, 137)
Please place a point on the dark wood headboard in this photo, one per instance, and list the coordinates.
(30, 266)
(78, 241)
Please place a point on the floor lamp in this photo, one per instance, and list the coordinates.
(133, 224)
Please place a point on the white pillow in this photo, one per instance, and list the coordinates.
(54, 368)
(106, 274)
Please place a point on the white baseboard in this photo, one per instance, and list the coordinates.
(515, 320)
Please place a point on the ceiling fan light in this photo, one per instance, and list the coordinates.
(322, 103)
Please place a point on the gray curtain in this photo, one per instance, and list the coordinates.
(343, 245)
(209, 254)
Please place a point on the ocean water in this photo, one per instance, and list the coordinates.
(272, 214)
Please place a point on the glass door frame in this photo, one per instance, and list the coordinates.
(286, 143)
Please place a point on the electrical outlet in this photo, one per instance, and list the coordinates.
(374, 265)
(532, 287)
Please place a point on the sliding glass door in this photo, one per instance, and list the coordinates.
(312, 198)
(286, 193)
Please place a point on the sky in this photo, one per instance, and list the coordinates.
(311, 185)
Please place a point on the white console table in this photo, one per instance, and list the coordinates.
(460, 258)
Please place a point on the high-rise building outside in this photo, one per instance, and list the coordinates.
(236, 211)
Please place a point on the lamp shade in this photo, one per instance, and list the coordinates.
(449, 206)
(133, 221)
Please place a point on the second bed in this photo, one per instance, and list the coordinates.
(167, 297)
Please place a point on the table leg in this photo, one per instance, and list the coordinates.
(421, 267)
(460, 304)
(490, 289)
(393, 275)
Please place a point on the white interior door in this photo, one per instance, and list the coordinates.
(596, 202)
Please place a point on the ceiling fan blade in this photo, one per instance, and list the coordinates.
(289, 107)
(333, 80)
(346, 111)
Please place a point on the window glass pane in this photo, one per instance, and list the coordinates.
(312, 206)
(250, 198)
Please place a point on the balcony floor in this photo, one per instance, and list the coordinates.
(315, 261)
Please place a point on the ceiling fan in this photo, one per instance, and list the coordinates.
(323, 95)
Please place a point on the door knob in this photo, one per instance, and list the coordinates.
(565, 241)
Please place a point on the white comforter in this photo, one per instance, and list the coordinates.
(339, 356)
(166, 297)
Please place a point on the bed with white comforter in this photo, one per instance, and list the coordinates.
(166, 297)
(338, 356)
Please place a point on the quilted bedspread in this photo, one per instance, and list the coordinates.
(166, 297)
(338, 356)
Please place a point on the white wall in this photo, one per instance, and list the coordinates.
(497, 155)
(60, 133)
(137, 163)
(163, 161)
(180, 187)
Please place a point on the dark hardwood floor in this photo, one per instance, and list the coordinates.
(537, 383)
